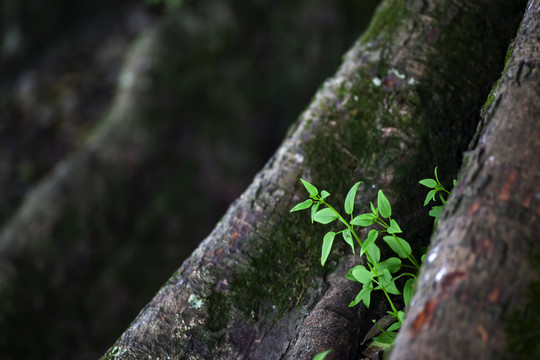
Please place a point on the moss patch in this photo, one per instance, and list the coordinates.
(388, 17)
(218, 314)
(491, 96)
(274, 282)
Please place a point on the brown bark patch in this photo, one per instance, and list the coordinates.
(425, 316)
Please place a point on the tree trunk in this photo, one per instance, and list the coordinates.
(396, 108)
(478, 291)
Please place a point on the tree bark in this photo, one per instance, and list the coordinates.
(477, 296)
(396, 108)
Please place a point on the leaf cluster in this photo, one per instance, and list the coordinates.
(377, 274)
(436, 187)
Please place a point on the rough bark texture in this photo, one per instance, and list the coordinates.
(477, 296)
(254, 287)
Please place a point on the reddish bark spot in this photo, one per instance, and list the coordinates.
(483, 332)
(218, 254)
(450, 278)
(234, 239)
(483, 247)
(391, 82)
(425, 316)
(526, 202)
(474, 207)
(508, 186)
(494, 296)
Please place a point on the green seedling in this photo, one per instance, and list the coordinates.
(436, 187)
(377, 274)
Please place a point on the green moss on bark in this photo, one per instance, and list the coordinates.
(389, 16)
(275, 281)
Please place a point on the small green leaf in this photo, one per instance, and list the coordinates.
(349, 273)
(348, 238)
(321, 356)
(312, 190)
(435, 211)
(325, 216)
(408, 291)
(436, 176)
(361, 274)
(442, 199)
(349, 200)
(324, 194)
(328, 240)
(423, 258)
(375, 253)
(383, 205)
(429, 183)
(430, 196)
(363, 220)
(388, 282)
(394, 227)
(393, 264)
(386, 337)
(394, 242)
(401, 315)
(303, 205)
(374, 210)
(395, 326)
(314, 210)
(364, 295)
(372, 236)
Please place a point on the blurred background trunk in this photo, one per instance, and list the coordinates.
(127, 129)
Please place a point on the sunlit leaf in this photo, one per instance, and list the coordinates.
(325, 216)
(349, 200)
(303, 205)
(408, 291)
(314, 210)
(328, 240)
(374, 210)
(364, 295)
(435, 211)
(430, 183)
(395, 326)
(321, 356)
(348, 238)
(393, 264)
(394, 227)
(312, 190)
(363, 275)
(372, 236)
(430, 196)
(324, 194)
(383, 205)
(394, 242)
(386, 338)
(374, 252)
(363, 220)
(388, 282)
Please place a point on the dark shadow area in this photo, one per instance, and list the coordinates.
(225, 86)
